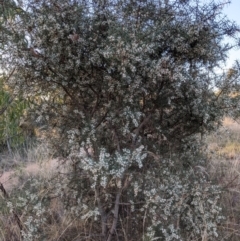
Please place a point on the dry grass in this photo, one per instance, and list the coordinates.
(59, 225)
(225, 143)
(224, 168)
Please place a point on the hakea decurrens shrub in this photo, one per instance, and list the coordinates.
(125, 88)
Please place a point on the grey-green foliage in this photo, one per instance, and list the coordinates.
(126, 88)
(9, 10)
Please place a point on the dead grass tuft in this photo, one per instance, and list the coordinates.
(224, 168)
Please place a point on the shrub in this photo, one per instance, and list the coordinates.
(11, 111)
(126, 89)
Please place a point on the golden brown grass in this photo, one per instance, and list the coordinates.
(59, 225)
(224, 168)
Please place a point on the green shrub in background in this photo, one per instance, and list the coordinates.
(11, 107)
(11, 111)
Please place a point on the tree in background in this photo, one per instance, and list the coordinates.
(11, 106)
(12, 110)
(127, 89)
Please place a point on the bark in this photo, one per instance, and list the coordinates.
(115, 217)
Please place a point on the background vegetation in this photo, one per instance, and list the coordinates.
(11, 135)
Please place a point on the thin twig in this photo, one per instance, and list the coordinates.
(16, 217)
(137, 131)
(102, 213)
(115, 217)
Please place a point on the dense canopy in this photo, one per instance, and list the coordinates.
(126, 89)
